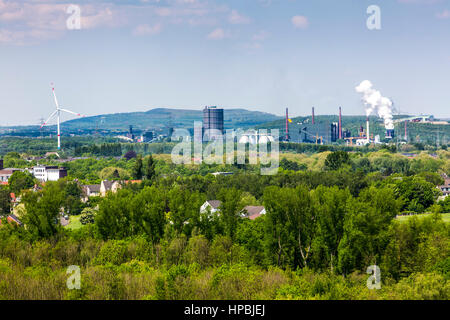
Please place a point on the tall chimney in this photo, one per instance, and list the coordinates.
(368, 132)
(287, 126)
(313, 120)
(340, 123)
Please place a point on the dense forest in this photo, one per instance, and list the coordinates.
(329, 216)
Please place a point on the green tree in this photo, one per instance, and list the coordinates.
(87, 216)
(366, 228)
(229, 210)
(290, 225)
(150, 168)
(184, 209)
(148, 210)
(336, 160)
(113, 219)
(42, 210)
(417, 193)
(138, 168)
(72, 197)
(21, 180)
(5, 202)
(330, 206)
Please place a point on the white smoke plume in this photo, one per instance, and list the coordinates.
(375, 102)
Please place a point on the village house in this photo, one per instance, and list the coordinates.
(91, 190)
(212, 205)
(96, 190)
(12, 219)
(253, 212)
(6, 173)
(250, 212)
(107, 185)
(445, 188)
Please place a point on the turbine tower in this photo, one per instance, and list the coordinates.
(57, 112)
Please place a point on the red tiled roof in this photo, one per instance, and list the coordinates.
(13, 218)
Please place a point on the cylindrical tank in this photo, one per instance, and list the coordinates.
(212, 120)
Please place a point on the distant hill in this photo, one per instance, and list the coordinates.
(163, 117)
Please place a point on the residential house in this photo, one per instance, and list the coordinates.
(92, 190)
(253, 212)
(6, 173)
(12, 219)
(14, 200)
(107, 186)
(445, 188)
(212, 205)
(222, 173)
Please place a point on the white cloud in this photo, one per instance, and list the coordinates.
(30, 23)
(443, 15)
(33, 21)
(217, 34)
(237, 18)
(145, 29)
(300, 22)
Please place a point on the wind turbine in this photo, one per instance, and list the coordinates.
(57, 112)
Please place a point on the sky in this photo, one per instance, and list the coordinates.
(262, 55)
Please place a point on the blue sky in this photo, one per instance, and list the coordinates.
(255, 54)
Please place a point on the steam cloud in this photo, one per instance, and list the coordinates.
(375, 102)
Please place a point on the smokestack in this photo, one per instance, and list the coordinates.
(368, 132)
(313, 120)
(340, 123)
(287, 126)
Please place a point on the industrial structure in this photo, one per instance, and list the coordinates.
(255, 137)
(318, 133)
(212, 123)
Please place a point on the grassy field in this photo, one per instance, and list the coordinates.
(74, 222)
(445, 217)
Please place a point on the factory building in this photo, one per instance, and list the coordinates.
(212, 123)
(320, 133)
(314, 132)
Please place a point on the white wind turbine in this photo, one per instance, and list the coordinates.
(57, 112)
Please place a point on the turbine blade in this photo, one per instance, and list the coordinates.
(54, 96)
(68, 111)
(51, 116)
